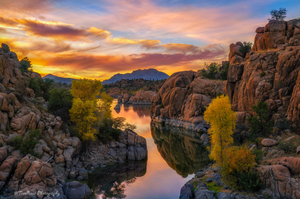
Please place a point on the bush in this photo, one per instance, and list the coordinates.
(41, 87)
(27, 144)
(224, 71)
(258, 155)
(245, 48)
(260, 123)
(107, 132)
(289, 146)
(25, 65)
(60, 98)
(283, 124)
(250, 181)
(238, 161)
(211, 70)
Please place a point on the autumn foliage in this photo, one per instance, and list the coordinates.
(238, 160)
(84, 109)
(222, 125)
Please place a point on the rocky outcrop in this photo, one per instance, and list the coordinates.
(141, 97)
(279, 180)
(181, 101)
(269, 73)
(130, 147)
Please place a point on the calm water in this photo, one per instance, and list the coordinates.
(173, 158)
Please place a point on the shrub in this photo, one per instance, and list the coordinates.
(260, 123)
(262, 74)
(224, 71)
(211, 70)
(107, 132)
(27, 144)
(25, 65)
(250, 181)
(283, 124)
(41, 87)
(239, 161)
(258, 155)
(289, 146)
(130, 127)
(245, 48)
(60, 98)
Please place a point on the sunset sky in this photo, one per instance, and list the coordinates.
(98, 38)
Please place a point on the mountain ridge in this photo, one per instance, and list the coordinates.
(147, 74)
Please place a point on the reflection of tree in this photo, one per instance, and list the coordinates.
(111, 182)
(181, 150)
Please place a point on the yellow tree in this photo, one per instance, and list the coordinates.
(222, 125)
(86, 89)
(83, 111)
(104, 106)
(83, 115)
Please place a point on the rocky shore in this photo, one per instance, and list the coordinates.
(60, 156)
(268, 73)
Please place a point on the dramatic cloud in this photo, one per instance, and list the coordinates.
(121, 63)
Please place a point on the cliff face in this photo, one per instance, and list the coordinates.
(181, 101)
(61, 155)
(269, 73)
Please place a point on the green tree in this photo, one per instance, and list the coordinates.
(25, 65)
(278, 15)
(224, 71)
(245, 48)
(211, 70)
(260, 123)
(222, 122)
(60, 98)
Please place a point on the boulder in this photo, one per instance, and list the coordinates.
(187, 192)
(32, 174)
(77, 190)
(266, 142)
(202, 192)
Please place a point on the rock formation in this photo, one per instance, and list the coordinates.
(269, 73)
(60, 155)
(182, 99)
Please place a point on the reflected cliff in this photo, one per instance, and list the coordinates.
(141, 110)
(111, 182)
(182, 150)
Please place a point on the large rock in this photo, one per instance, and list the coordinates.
(77, 190)
(202, 192)
(141, 97)
(267, 142)
(32, 175)
(278, 179)
(183, 98)
(187, 192)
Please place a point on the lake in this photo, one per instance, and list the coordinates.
(174, 155)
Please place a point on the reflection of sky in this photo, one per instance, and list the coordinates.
(160, 181)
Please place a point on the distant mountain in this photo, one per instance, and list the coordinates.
(59, 79)
(147, 74)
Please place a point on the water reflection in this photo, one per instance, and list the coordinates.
(141, 110)
(182, 150)
(111, 182)
(173, 157)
